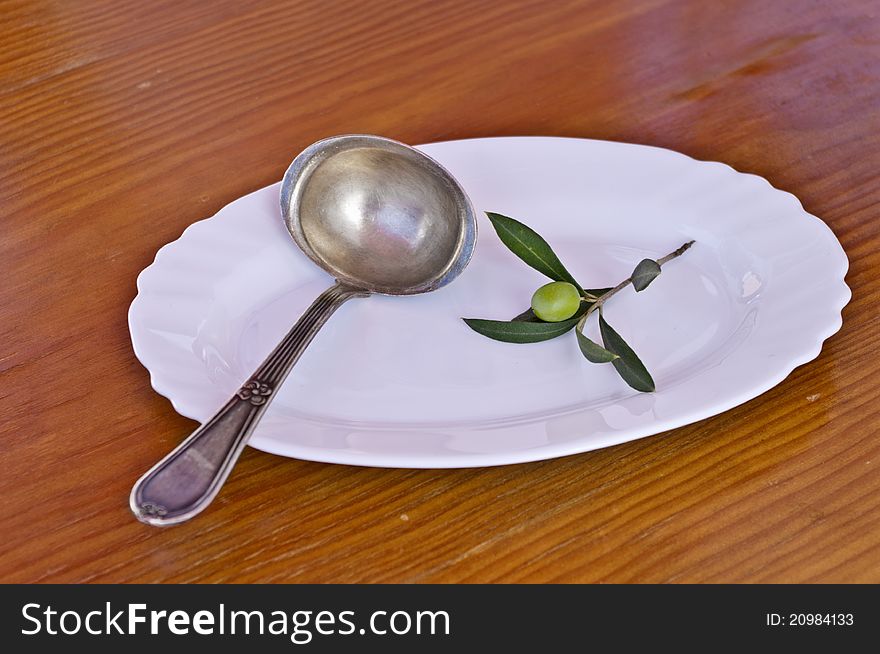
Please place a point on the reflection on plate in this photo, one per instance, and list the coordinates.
(403, 382)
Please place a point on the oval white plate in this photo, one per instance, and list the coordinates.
(402, 382)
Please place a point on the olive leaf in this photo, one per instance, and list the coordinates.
(529, 246)
(644, 273)
(628, 365)
(519, 331)
(594, 352)
(526, 316)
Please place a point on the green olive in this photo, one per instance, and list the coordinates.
(556, 301)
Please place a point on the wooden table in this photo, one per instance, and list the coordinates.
(123, 122)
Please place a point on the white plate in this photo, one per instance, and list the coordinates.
(403, 382)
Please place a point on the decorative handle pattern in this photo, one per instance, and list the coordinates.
(186, 481)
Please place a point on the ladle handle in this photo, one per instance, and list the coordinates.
(183, 483)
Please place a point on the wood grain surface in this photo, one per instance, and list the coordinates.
(123, 122)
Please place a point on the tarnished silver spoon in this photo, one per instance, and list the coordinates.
(379, 216)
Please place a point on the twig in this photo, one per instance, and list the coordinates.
(626, 282)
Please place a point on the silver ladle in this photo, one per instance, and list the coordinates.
(379, 216)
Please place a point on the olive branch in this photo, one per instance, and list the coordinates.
(569, 305)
